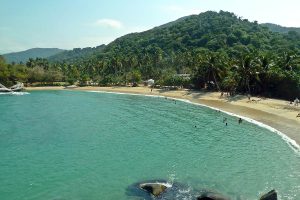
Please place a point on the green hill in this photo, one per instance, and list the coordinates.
(23, 56)
(280, 29)
(214, 47)
(213, 31)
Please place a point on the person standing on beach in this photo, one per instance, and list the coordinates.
(296, 101)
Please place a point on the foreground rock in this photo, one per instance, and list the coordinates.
(272, 195)
(162, 190)
(154, 188)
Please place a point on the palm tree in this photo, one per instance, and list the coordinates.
(214, 65)
(288, 61)
(264, 63)
(246, 67)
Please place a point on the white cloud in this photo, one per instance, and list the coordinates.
(111, 23)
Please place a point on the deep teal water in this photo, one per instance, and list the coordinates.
(82, 145)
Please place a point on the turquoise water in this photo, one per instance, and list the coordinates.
(83, 145)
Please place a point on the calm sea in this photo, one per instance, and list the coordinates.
(83, 145)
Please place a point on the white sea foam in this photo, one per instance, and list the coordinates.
(14, 93)
(183, 191)
(291, 143)
(168, 185)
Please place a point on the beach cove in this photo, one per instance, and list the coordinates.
(67, 144)
(275, 113)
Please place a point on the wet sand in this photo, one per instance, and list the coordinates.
(273, 112)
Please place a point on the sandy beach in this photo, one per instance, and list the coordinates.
(278, 114)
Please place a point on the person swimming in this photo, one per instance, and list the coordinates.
(240, 120)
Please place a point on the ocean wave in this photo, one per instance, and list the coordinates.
(291, 143)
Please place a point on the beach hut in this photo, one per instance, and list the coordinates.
(150, 82)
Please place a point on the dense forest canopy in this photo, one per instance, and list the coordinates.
(219, 50)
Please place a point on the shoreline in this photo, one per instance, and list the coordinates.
(274, 113)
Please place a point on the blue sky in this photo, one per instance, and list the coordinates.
(69, 24)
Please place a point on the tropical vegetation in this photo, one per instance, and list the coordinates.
(220, 51)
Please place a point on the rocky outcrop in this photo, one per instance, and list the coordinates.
(162, 190)
(272, 195)
(211, 196)
(154, 188)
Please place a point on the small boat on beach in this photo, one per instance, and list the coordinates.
(15, 88)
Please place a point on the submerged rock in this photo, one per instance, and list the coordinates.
(211, 196)
(154, 188)
(272, 195)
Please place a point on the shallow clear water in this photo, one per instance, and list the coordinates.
(82, 145)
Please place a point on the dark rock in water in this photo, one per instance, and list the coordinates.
(211, 196)
(272, 195)
(135, 190)
(154, 188)
(162, 190)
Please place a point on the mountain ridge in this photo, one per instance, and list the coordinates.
(23, 56)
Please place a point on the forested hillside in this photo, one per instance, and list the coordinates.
(220, 51)
(210, 30)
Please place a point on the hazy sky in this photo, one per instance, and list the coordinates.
(80, 23)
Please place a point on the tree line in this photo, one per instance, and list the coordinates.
(259, 73)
